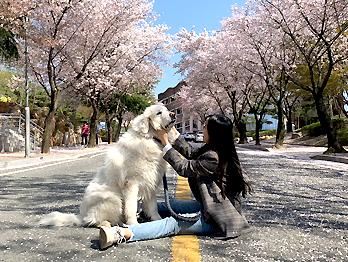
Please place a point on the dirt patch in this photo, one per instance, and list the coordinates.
(308, 141)
(303, 140)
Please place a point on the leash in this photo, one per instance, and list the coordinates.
(172, 212)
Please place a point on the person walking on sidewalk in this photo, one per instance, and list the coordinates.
(84, 133)
(216, 180)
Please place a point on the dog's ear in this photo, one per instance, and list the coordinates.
(156, 125)
(141, 124)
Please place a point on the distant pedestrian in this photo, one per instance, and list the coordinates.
(84, 133)
(216, 180)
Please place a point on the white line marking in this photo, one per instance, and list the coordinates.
(97, 154)
(57, 162)
(38, 167)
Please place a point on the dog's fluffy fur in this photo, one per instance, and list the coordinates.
(132, 171)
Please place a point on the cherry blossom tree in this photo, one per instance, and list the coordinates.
(68, 38)
(291, 101)
(197, 96)
(209, 70)
(13, 23)
(196, 103)
(265, 54)
(233, 77)
(14, 12)
(128, 68)
(317, 30)
(215, 68)
(240, 103)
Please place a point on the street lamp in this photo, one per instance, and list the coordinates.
(27, 110)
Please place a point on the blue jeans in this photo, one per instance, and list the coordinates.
(169, 226)
(84, 139)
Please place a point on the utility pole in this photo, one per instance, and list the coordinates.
(27, 110)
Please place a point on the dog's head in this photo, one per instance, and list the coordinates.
(154, 118)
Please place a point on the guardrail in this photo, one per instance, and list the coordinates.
(16, 122)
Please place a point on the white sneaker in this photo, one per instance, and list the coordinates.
(109, 236)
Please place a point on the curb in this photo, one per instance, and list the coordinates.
(253, 147)
(26, 162)
(330, 158)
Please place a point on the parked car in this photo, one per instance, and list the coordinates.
(199, 136)
(189, 136)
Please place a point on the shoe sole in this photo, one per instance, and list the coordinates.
(104, 240)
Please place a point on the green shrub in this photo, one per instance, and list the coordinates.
(316, 130)
(104, 133)
(339, 123)
(272, 132)
(251, 133)
(343, 136)
(312, 129)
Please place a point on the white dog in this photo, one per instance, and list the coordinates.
(131, 172)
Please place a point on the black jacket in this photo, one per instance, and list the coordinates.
(202, 170)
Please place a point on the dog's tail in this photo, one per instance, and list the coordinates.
(60, 219)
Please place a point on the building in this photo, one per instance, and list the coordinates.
(182, 125)
(186, 123)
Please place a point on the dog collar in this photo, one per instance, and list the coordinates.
(157, 140)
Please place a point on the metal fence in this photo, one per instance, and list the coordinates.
(16, 122)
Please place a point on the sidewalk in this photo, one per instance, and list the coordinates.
(16, 159)
(266, 145)
(13, 160)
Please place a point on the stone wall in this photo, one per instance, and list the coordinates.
(11, 141)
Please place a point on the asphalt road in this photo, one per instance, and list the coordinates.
(299, 212)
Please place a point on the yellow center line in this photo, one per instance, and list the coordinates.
(185, 247)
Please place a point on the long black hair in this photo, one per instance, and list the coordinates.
(231, 179)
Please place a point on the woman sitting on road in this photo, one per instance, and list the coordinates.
(216, 180)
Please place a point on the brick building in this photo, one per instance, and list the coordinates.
(182, 125)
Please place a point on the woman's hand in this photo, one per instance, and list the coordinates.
(163, 136)
(176, 132)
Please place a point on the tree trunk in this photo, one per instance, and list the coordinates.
(241, 126)
(48, 130)
(327, 125)
(110, 130)
(280, 128)
(257, 130)
(119, 126)
(108, 126)
(289, 123)
(49, 124)
(93, 126)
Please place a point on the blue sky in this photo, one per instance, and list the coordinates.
(177, 14)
